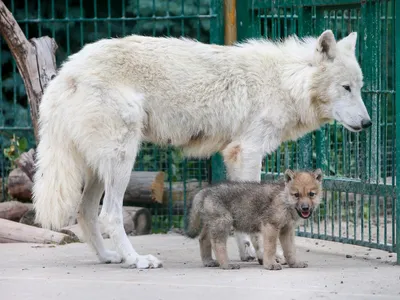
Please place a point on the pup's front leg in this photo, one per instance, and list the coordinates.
(286, 238)
(270, 238)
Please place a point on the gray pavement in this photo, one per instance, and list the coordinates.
(336, 271)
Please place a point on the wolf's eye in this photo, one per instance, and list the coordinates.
(347, 88)
(312, 194)
(297, 195)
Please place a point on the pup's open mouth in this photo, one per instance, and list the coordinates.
(304, 214)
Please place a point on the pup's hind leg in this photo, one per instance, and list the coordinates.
(116, 172)
(221, 253)
(286, 238)
(206, 249)
(88, 219)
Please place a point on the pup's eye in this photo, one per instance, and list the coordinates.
(312, 194)
(347, 88)
(297, 195)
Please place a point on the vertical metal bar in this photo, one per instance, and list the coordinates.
(67, 27)
(396, 12)
(80, 22)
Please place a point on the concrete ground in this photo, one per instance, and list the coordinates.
(335, 271)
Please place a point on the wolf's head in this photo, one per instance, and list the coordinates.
(337, 82)
(303, 190)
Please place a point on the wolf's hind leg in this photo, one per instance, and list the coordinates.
(88, 219)
(116, 172)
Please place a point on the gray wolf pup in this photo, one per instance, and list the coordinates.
(242, 101)
(273, 209)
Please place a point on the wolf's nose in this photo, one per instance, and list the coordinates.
(365, 123)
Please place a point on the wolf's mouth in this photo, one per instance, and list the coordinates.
(304, 214)
(352, 128)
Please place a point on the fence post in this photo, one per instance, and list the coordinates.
(397, 89)
(230, 36)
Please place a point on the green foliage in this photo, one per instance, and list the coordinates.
(17, 146)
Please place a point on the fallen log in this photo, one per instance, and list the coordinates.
(13, 210)
(13, 232)
(19, 185)
(144, 188)
(137, 221)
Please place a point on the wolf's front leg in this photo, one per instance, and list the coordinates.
(243, 163)
(286, 238)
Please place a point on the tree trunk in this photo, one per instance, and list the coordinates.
(35, 60)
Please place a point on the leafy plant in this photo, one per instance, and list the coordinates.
(17, 146)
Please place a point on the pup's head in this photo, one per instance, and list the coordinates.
(337, 82)
(304, 190)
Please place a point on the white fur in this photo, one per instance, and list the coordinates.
(243, 100)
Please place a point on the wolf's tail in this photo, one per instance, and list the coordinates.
(59, 175)
(194, 225)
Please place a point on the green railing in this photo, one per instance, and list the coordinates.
(73, 23)
(359, 205)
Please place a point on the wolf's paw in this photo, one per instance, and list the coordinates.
(273, 266)
(110, 257)
(231, 267)
(143, 262)
(299, 264)
(211, 264)
(249, 252)
(280, 259)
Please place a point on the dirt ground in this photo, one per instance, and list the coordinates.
(336, 271)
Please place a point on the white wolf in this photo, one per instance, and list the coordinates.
(242, 101)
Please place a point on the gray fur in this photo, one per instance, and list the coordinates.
(252, 207)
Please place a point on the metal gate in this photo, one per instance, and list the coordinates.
(359, 205)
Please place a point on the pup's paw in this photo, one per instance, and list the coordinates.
(273, 266)
(231, 267)
(299, 264)
(211, 264)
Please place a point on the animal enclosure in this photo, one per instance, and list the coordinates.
(359, 203)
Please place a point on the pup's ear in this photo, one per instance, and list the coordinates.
(289, 175)
(326, 47)
(349, 42)
(318, 174)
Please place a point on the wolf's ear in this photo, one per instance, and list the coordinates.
(349, 42)
(318, 174)
(326, 47)
(289, 175)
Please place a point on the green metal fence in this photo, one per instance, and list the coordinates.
(73, 23)
(359, 205)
